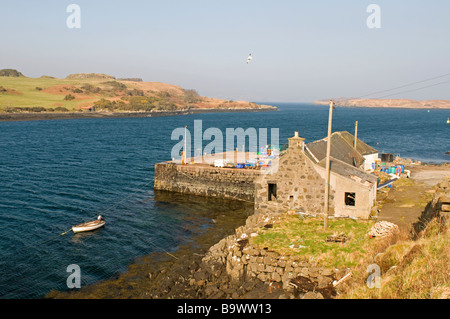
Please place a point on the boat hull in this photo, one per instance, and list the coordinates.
(89, 226)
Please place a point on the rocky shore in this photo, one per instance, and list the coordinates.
(234, 269)
(29, 116)
(229, 269)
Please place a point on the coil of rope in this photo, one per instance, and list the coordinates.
(383, 229)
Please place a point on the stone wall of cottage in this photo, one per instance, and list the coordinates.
(298, 185)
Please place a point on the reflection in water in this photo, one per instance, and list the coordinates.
(78, 238)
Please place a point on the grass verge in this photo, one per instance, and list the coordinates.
(409, 269)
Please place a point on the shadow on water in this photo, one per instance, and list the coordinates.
(205, 221)
(79, 237)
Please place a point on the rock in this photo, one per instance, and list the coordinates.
(263, 277)
(327, 272)
(200, 275)
(304, 272)
(304, 264)
(260, 267)
(236, 275)
(269, 269)
(252, 267)
(444, 184)
(268, 260)
(218, 295)
(249, 285)
(324, 281)
(211, 289)
(276, 277)
(310, 295)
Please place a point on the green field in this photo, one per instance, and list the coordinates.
(27, 94)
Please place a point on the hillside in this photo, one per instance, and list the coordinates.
(102, 93)
(400, 103)
(10, 72)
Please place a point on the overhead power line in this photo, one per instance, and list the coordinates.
(406, 85)
(417, 89)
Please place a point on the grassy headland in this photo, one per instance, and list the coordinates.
(102, 93)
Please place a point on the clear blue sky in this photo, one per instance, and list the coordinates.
(302, 50)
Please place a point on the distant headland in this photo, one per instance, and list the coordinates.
(392, 103)
(100, 95)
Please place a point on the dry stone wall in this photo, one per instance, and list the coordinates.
(242, 263)
(439, 207)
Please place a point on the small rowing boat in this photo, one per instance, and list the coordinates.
(88, 226)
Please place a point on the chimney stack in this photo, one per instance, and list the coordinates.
(296, 142)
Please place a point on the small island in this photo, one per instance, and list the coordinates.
(100, 95)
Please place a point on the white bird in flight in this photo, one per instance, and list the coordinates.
(249, 58)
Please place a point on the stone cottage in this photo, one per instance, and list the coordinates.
(297, 182)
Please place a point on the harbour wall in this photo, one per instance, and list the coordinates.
(205, 180)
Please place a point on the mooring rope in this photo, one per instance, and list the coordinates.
(159, 247)
(53, 238)
(117, 204)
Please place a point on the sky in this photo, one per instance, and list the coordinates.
(302, 50)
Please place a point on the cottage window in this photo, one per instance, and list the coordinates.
(272, 192)
(350, 199)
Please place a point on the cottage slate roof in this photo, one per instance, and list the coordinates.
(349, 171)
(341, 148)
(361, 147)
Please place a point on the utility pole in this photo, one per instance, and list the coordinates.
(327, 182)
(356, 134)
(185, 146)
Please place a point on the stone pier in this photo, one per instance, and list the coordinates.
(206, 180)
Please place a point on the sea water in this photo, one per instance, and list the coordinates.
(57, 173)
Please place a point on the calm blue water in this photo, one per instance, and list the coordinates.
(54, 174)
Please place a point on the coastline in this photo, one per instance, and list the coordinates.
(215, 268)
(4, 117)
